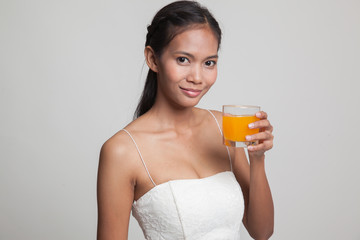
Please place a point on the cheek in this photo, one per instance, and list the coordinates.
(174, 73)
(211, 76)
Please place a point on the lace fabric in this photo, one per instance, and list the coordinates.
(207, 208)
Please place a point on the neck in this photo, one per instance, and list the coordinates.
(168, 116)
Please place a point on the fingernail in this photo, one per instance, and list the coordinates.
(250, 147)
(258, 114)
(251, 125)
(248, 138)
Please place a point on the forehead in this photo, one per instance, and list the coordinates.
(197, 40)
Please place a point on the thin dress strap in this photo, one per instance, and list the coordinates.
(142, 160)
(227, 148)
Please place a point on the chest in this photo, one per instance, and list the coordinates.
(169, 157)
(194, 156)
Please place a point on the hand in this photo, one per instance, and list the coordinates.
(264, 137)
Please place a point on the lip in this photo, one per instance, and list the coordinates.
(191, 92)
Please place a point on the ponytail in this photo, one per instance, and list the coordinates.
(148, 95)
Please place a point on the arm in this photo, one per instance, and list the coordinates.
(115, 191)
(259, 210)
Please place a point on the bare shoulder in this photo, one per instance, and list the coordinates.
(117, 144)
(204, 115)
(218, 115)
(115, 154)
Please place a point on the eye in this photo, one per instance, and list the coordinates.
(210, 63)
(182, 60)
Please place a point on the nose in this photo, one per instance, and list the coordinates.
(195, 75)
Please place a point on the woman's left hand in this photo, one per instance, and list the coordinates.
(264, 137)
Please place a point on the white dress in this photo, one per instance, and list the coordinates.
(208, 208)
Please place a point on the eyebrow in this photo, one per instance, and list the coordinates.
(192, 56)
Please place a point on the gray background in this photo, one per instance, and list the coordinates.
(71, 73)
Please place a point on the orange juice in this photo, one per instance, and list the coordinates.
(235, 128)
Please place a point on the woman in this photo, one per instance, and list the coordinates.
(169, 166)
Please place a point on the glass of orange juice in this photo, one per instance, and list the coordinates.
(235, 121)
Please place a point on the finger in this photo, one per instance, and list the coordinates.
(262, 136)
(260, 124)
(271, 128)
(268, 129)
(261, 115)
(265, 146)
(256, 148)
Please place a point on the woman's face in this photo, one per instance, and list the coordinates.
(187, 67)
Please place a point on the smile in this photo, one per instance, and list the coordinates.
(191, 92)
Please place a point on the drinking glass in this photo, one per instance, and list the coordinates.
(236, 119)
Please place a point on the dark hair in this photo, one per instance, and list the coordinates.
(170, 21)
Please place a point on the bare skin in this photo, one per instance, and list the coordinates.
(179, 141)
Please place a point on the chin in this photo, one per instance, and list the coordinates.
(189, 103)
(182, 102)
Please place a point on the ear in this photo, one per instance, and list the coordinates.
(150, 58)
